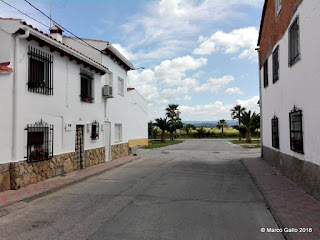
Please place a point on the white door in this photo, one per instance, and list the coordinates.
(107, 139)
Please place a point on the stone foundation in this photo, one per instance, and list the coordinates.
(119, 150)
(4, 177)
(305, 174)
(22, 173)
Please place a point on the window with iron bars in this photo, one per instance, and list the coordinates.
(294, 42)
(39, 141)
(296, 134)
(265, 74)
(86, 93)
(275, 132)
(40, 75)
(95, 130)
(275, 64)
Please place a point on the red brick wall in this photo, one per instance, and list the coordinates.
(273, 28)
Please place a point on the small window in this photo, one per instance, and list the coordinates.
(275, 132)
(275, 64)
(120, 86)
(278, 6)
(40, 72)
(296, 134)
(118, 133)
(95, 130)
(265, 74)
(86, 94)
(294, 42)
(39, 141)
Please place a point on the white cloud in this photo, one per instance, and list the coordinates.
(126, 53)
(250, 104)
(234, 91)
(243, 40)
(214, 84)
(187, 98)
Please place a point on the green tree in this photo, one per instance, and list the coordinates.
(163, 124)
(236, 113)
(173, 114)
(246, 119)
(222, 124)
(150, 128)
(201, 132)
(255, 122)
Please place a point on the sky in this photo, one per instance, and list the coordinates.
(199, 54)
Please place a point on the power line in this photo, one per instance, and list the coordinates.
(24, 13)
(60, 25)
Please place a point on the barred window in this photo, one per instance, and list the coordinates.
(294, 42)
(275, 132)
(39, 141)
(275, 64)
(40, 72)
(265, 74)
(86, 93)
(296, 134)
(95, 130)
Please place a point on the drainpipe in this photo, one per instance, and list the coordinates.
(14, 93)
(260, 103)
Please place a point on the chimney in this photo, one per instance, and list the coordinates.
(56, 33)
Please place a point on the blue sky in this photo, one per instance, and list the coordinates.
(199, 54)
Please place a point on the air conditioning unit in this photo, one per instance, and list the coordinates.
(107, 91)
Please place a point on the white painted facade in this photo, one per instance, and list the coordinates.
(64, 106)
(298, 85)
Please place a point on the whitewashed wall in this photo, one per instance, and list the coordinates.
(137, 126)
(297, 85)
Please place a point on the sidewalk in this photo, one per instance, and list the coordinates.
(291, 206)
(50, 185)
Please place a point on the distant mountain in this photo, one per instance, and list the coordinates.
(209, 123)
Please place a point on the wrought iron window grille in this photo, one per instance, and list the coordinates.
(294, 42)
(40, 75)
(296, 132)
(95, 130)
(86, 94)
(265, 74)
(275, 132)
(39, 141)
(275, 64)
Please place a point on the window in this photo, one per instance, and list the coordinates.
(95, 130)
(118, 132)
(278, 6)
(86, 94)
(39, 141)
(275, 64)
(294, 42)
(265, 74)
(275, 132)
(296, 134)
(40, 72)
(120, 86)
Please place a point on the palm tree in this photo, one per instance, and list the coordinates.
(150, 128)
(221, 124)
(236, 113)
(173, 114)
(163, 124)
(246, 119)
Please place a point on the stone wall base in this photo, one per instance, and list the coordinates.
(15, 175)
(119, 150)
(305, 174)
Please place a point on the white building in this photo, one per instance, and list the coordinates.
(55, 116)
(289, 79)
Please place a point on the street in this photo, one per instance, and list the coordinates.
(198, 189)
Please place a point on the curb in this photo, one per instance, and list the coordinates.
(47, 192)
(281, 223)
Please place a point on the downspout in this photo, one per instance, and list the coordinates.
(14, 93)
(260, 104)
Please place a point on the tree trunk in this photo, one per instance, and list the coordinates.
(222, 131)
(239, 129)
(248, 135)
(163, 137)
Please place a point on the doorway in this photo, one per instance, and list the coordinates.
(79, 147)
(107, 140)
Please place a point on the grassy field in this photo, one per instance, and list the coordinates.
(158, 144)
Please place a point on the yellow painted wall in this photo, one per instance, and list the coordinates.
(138, 142)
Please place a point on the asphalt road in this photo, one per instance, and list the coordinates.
(195, 190)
